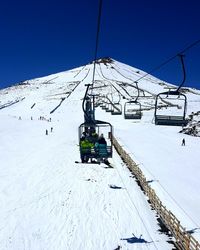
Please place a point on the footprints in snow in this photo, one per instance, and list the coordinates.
(66, 202)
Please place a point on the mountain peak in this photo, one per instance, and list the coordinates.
(104, 60)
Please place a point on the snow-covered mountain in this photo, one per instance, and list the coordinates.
(49, 202)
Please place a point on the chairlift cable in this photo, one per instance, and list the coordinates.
(130, 84)
(95, 57)
(97, 39)
(169, 60)
(110, 82)
(124, 89)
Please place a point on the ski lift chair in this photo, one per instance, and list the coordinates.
(103, 106)
(102, 102)
(90, 152)
(173, 101)
(90, 130)
(132, 110)
(173, 98)
(108, 107)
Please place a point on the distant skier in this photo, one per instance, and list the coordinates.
(183, 142)
(46, 132)
(51, 129)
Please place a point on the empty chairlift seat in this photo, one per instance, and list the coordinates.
(170, 109)
(132, 110)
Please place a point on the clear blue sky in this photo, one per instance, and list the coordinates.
(44, 37)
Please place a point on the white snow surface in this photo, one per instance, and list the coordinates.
(50, 202)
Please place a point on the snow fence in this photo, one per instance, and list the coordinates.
(184, 240)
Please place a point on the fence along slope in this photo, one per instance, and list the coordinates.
(184, 240)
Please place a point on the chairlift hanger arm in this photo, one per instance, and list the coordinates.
(136, 83)
(85, 98)
(184, 72)
(177, 91)
(136, 99)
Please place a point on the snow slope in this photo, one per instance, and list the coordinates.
(49, 202)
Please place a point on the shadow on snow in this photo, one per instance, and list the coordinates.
(135, 239)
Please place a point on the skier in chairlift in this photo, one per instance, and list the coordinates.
(101, 148)
(102, 140)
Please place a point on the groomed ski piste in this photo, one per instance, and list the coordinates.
(48, 202)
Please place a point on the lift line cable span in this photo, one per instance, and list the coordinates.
(95, 57)
(97, 39)
(169, 60)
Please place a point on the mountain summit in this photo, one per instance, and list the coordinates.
(112, 78)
